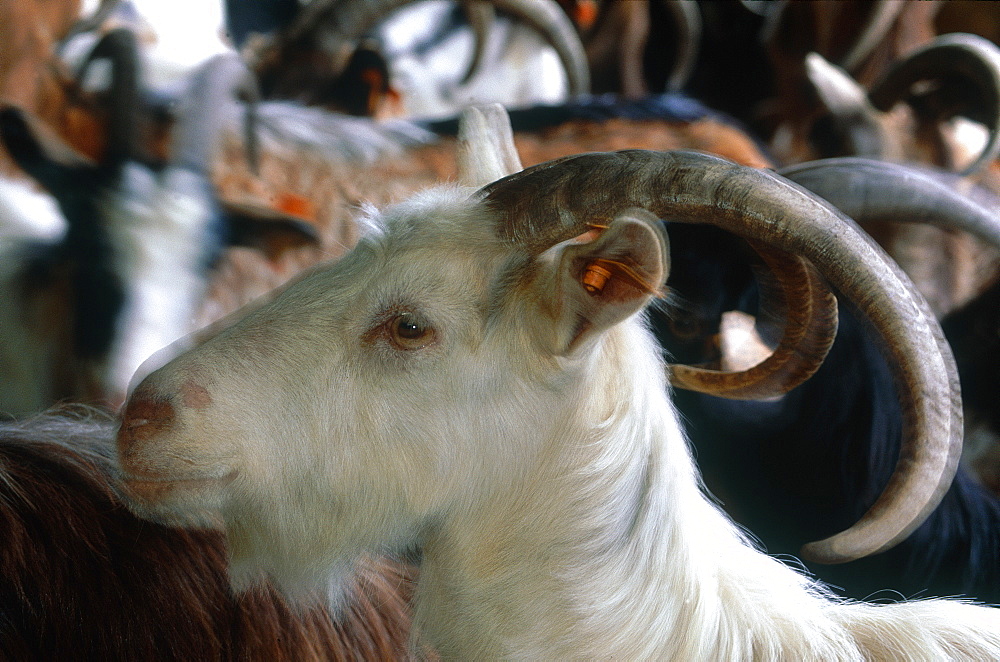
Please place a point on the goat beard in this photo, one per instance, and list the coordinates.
(303, 575)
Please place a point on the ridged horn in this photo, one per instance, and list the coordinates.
(971, 59)
(798, 296)
(871, 191)
(561, 199)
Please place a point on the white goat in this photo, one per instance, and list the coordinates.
(478, 384)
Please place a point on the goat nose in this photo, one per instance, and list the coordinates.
(146, 415)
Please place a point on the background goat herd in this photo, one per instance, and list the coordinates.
(518, 329)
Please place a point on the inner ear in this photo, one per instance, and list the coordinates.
(609, 274)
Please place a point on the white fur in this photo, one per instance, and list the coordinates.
(27, 213)
(159, 235)
(553, 495)
(547, 483)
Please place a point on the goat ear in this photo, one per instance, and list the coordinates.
(37, 149)
(269, 231)
(605, 276)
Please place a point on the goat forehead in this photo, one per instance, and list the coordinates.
(424, 244)
(438, 216)
(433, 258)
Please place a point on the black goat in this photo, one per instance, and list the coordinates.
(974, 334)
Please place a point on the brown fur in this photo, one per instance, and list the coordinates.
(82, 578)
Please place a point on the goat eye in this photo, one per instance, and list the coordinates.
(408, 331)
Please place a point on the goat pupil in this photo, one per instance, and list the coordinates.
(409, 329)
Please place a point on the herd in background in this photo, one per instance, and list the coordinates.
(137, 222)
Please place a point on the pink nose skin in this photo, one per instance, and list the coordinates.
(147, 415)
(150, 413)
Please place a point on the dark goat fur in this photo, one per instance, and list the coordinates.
(974, 334)
(807, 465)
(83, 578)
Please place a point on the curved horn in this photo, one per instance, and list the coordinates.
(881, 17)
(687, 17)
(549, 20)
(344, 23)
(810, 313)
(862, 125)
(480, 16)
(555, 201)
(124, 99)
(213, 89)
(876, 191)
(968, 57)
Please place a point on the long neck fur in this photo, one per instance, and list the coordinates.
(608, 549)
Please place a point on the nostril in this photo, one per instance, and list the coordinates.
(146, 416)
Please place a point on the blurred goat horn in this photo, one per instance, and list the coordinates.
(862, 125)
(550, 21)
(92, 22)
(556, 201)
(213, 90)
(881, 16)
(480, 16)
(687, 17)
(124, 98)
(344, 23)
(871, 191)
(973, 61)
